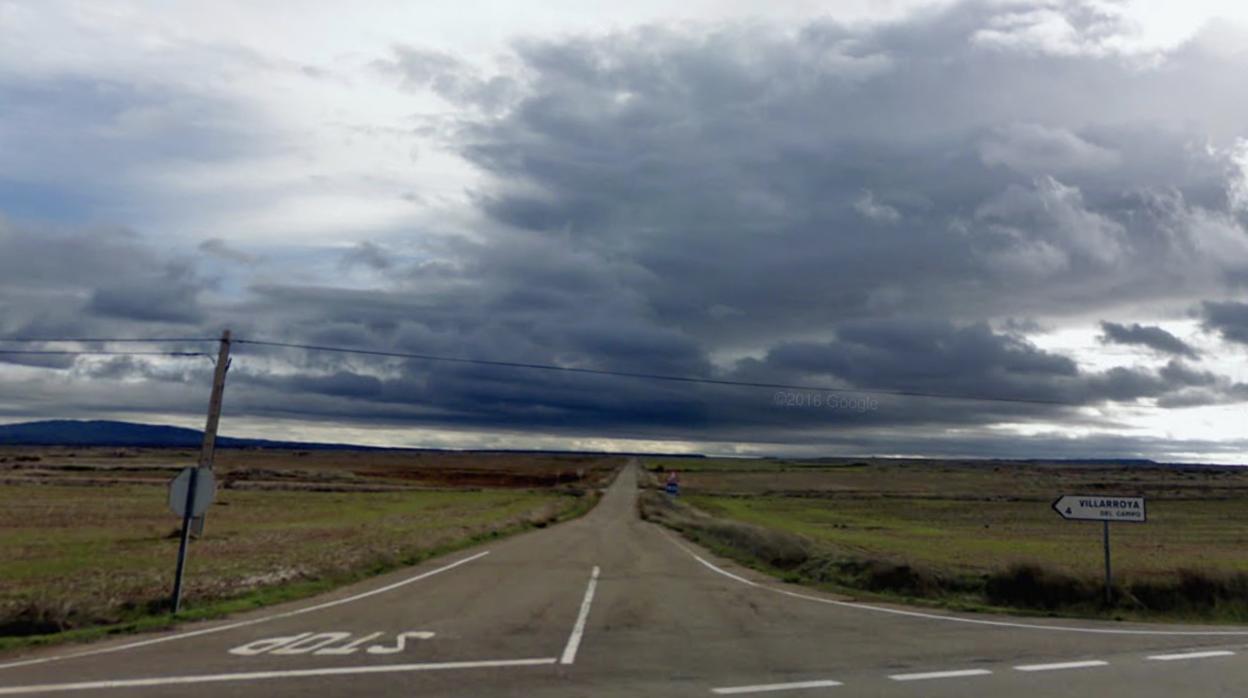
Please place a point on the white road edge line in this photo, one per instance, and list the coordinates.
(578, 630)
(258, 675)
(253, 621)
(940, 675)
(1190, 655)
(1058, 666)
(763, 688)
(957, 619)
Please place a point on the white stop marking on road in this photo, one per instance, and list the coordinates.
(332, 643)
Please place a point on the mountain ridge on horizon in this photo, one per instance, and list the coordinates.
(116, 433)
(104, 432)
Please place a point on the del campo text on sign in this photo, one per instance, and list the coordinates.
(1101, 508)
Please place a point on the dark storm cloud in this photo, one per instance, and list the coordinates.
(58, 282)
(1009, 180)
(1229, 320)
(171, 295)
(936, 357)
(853, 207)
(1154, 338)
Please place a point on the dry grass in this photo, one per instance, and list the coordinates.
(399, 469)
(980, 535)
(82, 550)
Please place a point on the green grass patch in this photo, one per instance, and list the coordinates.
(997, 556)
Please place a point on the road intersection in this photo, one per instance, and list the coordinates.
(610, 605)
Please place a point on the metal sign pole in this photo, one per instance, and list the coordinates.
(186, 534)
(1103, 508)
(1109, 579)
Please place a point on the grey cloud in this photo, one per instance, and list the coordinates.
(1038, 150)
(170, 294)
(447, 76)
(1229, 319)
(1063, 29)
(220, 249)
(873, 210)
(67, 281)
(40, 361)
(936, 357)
(1147, 336)
(367, 254)
(710, 157)
(77, 149)
(136, 301)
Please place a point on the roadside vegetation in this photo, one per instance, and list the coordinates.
(975, 536)
(85, 556)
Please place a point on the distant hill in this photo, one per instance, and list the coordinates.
(65, 432)
(68, 432)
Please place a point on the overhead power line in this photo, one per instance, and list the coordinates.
(101, 352)
(101, 340)
(105, 340)
(487, 362)
(652, 376)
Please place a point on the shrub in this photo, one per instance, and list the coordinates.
(1030, 585)
(1194, 590)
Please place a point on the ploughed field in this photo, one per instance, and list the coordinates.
(88, 540)
(975, 534)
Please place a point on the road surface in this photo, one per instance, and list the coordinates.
(609, 605)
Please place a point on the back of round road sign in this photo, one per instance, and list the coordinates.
(205, 492)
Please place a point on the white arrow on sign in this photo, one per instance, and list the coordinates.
(1099, 507)
(205, 491)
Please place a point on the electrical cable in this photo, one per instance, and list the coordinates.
(651, 376)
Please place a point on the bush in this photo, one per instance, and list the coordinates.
(1030, 585)
(900, 579)
(1194, 590)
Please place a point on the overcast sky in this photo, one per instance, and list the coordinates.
(1041, 201)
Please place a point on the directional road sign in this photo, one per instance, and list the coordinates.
(205, 491)
(1099, 507)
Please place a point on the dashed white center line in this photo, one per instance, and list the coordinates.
(1190, 655)
(939, 675)
(578, 630)
(1058, 666)
(766, 687)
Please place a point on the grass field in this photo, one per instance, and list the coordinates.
(981, 536)
(89, 542)
(976, 534)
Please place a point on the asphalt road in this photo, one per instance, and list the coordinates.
(609, 605)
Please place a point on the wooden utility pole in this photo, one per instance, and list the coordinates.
(209, 449)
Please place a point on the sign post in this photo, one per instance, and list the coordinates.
(673, 483)
(190, 493)
(1109, 576)
(1078, 507)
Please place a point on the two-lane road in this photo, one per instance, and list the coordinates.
(610, 605)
